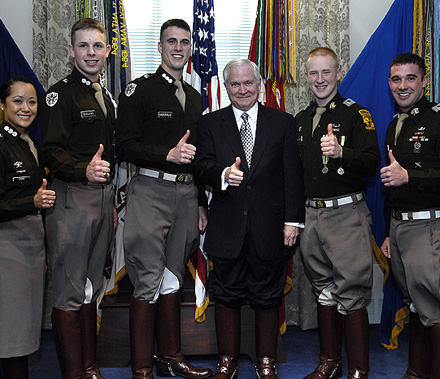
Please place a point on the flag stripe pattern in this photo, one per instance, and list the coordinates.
(202, 68)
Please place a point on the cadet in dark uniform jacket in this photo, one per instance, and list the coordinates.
(157, 132)
(412, 210)
(338, 152)
(23, 194)
(77, 128)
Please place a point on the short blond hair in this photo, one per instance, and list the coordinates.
(323, 51)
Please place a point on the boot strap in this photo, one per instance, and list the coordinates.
(227, 367)
(330, 368)
(265, 367)
(170, 361)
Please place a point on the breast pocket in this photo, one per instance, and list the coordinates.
(89, 126)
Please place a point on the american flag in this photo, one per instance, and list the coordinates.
(202, 67)
(202, 73)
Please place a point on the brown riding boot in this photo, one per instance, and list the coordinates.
(435, 340)
(88, 333)
(420, 350)
(14, 368)
(330, 338)
(357, 335)
(142, 320)
(266, 335)
(170, 360)
(227, 328)
(67, 332)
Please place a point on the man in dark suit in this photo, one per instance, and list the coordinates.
(248, 154)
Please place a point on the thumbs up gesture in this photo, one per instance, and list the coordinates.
(233, 175)
(97, 170)
(44, 198)
(393, 175)
(330, 145)
(182, 153)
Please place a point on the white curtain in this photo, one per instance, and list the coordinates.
(52, 20)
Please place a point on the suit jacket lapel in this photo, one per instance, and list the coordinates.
(230, 128)
(262, 135)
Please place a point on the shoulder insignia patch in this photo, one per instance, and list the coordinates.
(349, 102)
(368, 120)
(436, 108)
(129, 90)
(51, 99)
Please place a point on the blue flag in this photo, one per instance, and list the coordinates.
(367, 84)
(13, 63)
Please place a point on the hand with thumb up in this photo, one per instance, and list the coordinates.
(330, 145)
(44, 198)
(233, 175)
(98, 170)
(393, 175)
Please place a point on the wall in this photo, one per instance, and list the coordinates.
(365, 17)
(17, 17)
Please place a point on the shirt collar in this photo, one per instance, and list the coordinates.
(252, 113)
(418, 108)
(9, 132)
(167, 78)
(85, 82)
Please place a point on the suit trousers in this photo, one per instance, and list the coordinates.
(248, 278)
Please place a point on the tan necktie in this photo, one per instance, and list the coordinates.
(402, 118)
(99, 97)
(25, 137)
(317, 117)
(180, 93)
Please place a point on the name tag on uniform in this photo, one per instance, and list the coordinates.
(165, 114)
(21, 178)
(88, 114)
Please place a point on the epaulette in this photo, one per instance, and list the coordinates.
(131, 87)
(436, 108)
(307, 106)
(349, 102)
(145, 77)
(63, 82)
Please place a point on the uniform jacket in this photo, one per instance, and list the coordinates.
(72, 127)
(356, 133)
(418, 151)
(151, 121)
(20, 176)
(272, 189)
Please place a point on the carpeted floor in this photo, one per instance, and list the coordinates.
(301, 347)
